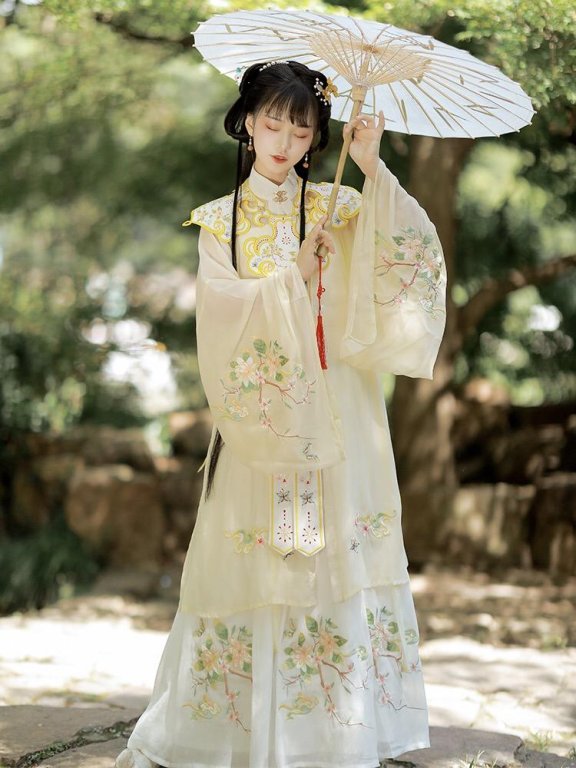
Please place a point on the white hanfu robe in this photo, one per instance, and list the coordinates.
(295, 644)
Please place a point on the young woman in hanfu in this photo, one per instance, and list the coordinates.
(295, 644)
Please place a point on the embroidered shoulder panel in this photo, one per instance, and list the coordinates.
(215, 216)
(348, 203)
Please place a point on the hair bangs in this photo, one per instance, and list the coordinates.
(296, 101)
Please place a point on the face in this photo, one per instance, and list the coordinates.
(278, 143)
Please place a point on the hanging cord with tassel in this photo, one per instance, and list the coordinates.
(319, 323)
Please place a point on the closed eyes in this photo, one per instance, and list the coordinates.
(276, 130)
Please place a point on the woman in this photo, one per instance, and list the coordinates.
(295, 642)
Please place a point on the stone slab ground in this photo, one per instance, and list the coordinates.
(91, 738)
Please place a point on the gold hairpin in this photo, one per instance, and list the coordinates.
(325, 93)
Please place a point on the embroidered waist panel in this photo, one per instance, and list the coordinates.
(296, 513)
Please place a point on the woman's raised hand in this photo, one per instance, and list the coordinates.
(307, 259)
(365, 145)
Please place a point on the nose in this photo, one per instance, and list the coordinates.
(285, 142)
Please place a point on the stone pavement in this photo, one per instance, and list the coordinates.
(74, 677)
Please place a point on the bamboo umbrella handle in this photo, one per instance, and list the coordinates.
(358, 96)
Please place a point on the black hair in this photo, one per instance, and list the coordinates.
(283, 88)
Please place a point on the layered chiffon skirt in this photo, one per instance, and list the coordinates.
(333, 685)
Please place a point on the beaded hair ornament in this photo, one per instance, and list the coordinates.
(325, 93)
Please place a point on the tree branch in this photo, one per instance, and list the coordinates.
(494, 290)
(131, 34)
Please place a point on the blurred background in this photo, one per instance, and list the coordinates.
(110, 132)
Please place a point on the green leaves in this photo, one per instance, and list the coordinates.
(221, 631)
(260, 346)
(312, 625)
(411, 636)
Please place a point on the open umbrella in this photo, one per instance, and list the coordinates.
(423, 86)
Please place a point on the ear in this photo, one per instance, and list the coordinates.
(249, 122)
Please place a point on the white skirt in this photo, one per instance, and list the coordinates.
(334, 685)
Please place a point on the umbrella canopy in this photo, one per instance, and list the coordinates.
(423, 86)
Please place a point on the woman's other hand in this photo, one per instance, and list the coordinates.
(365, 145)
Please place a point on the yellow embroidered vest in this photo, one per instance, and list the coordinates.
(267, 240)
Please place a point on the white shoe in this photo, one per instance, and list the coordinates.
(133, 758)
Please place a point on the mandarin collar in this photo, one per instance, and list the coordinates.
(279, 198)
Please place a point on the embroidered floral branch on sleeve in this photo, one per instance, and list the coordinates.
(260, 377)
(414, 259)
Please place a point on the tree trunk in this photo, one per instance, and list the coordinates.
(422, 411)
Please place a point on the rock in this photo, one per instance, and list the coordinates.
(524, 455)
(180, 481)
(118, 446)
(96, 444)
(424, 513)
(40, 486)
(488, 525)
(181, 489)
(450, 747)
(100, 755)
(528, 758)
(28, 729)
(190, 432)
(119, 512)
(29, 508)
(34, 444)
(553, 524)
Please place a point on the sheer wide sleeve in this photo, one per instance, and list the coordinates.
(397, 284)
(259, 365)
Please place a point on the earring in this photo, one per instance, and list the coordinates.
(250, 146)
(306, 161)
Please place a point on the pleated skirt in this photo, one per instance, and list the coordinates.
(333, 685)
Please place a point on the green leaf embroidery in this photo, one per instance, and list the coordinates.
(260, 346)
(312, 624)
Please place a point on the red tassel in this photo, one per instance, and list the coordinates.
(321, 344)
(319, 324)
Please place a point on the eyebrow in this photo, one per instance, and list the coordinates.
(273, 117)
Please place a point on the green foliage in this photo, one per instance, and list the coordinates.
(516, 210)
(112, 132)
(42, 567)
(523, 347)
(100, 138)
(516, 206)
